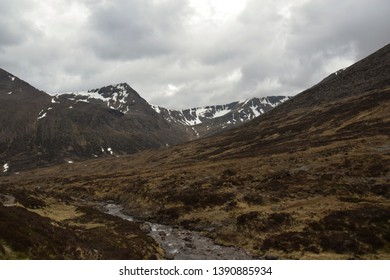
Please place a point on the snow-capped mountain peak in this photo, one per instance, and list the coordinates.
(118, 97)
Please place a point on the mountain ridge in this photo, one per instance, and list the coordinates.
(38, 129)
(197, 121)
(208, 120)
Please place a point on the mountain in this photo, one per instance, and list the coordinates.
(209, 120)
(120, 97)
(38, 129)
(115, 120)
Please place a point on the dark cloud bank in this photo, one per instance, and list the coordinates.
(177, 55)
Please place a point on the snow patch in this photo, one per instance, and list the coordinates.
(196, 132)
(254, 111)
(221, 113)
(5, 167)
(85, 95)
(246, 101)
(200, 112)
(125, 111)
(234, 118)
(195, 113)
(110, 151)
(156, 108)
(10, 92)
(70, 161)
(12, 78)
(41, 116)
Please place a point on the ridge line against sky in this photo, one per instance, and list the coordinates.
(188, 53)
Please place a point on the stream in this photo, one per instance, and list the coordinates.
(181, 244)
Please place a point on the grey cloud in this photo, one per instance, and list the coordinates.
(14, 29)
(272, 47)
(132, 29)
(304, 43)
(9, 36)
(331, 25)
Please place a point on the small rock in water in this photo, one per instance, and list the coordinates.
(162, 233)
(187, 238)
(190, 245)
(145, 228)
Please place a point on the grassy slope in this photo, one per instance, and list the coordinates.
(42, 227)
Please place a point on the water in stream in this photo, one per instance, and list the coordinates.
(181, 244)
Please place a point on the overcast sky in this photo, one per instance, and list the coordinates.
(185, 53)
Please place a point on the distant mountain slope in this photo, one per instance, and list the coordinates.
(212, 119)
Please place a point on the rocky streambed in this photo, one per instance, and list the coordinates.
(182, 244)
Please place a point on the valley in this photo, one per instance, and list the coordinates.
(309, 179)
